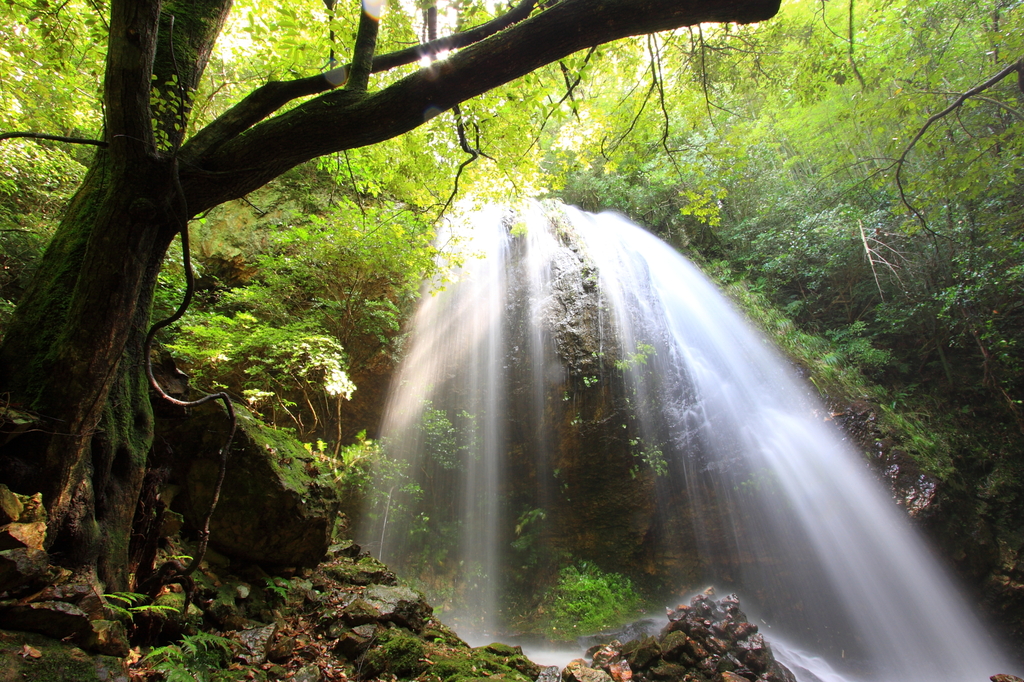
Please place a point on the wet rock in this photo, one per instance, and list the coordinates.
(15, 535)
(361, 612)
(643, 652)
(605, 654)
(83, 595)
(755, 653)
(353, 643)
(728, 676)
(1005, 678)
(668, 671)
(281, 649)
(19, 567)
(309, 673)
(578, 671)
(32, 510)
(549, 674)
(620, 671)
(365, 571)
(346, 548)
(399, 605)
(513, 657)
(255, 642)
(674, 647)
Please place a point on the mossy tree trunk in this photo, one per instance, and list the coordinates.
(73, 352)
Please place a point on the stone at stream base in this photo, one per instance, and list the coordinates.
(705, 641)
(276, 508)
(578, 671)
(1005, 678)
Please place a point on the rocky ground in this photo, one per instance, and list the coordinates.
(346, 619)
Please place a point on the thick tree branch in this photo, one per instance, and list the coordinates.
(343, 120)
(130, 54)
(187, 34)
(432, 48)
(256, 106)
(268, 98)
(362, 53)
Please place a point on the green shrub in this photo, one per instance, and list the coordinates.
(586, 599)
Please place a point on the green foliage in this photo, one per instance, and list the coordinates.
(128, 605)
(651, 456)
(278, 587)
(770, 152)
(267, 364)
(195, 659)
(586, 600)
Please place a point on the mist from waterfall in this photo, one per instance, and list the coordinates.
(732, 447)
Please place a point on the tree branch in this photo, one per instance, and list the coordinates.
(343, 120)
(126, 87)
(55, 138)
(1016, 67)
(362, 53)
(268, 98)
(432, 48)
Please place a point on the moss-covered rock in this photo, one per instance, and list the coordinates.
(35, 658)
(399, 653)
(273, 509)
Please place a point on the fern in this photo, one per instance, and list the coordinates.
(193, 659)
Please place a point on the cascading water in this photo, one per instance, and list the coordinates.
(583, 389)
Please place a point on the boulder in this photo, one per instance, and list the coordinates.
(19, 567)
(399, 605)
(273, 509)
(620, 671)
(15, 535)
(52, 618)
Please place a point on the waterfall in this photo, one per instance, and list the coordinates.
(581, 388)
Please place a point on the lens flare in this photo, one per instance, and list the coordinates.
(373, 8)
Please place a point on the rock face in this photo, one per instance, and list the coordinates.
(705, 641)
(274, 509)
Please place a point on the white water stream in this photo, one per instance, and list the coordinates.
(731, 412)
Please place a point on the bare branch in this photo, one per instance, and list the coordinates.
(1016, 67)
